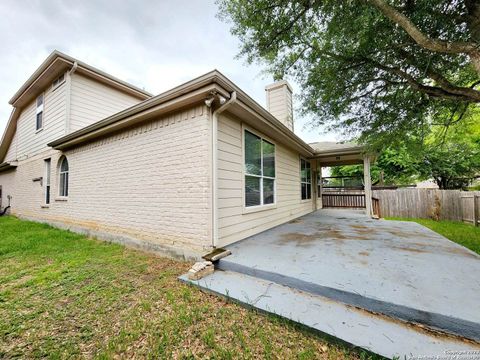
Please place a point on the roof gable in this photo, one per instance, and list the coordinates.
(54, 65)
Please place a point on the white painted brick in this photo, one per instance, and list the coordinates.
(151, 183)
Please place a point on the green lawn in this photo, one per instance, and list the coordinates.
(463, 234)
(63, 295)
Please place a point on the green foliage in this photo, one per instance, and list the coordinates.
(451, 159)
(463, 234)
(451, 165)
(359, 71)
(398, 166)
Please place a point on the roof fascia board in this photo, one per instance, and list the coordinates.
(57, 56)
(110, 80)
(32, 80)
(134, 115)
(211, 82)
(8, 165)
(9, 133)
(261, 111)
(352, 151)
(297, 143)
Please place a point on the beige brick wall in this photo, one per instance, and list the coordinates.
(7, 180)
(149, 184)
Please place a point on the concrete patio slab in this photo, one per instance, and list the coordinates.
(379, 334)
(401, 272)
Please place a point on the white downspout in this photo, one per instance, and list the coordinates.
(68, 100)
(216, 112)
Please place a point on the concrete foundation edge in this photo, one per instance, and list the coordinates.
(128, 241)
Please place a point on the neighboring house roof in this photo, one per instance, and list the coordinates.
(427, 184)
(56, 64)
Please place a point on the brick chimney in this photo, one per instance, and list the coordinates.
(279, 102)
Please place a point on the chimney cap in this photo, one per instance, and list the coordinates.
(278, 84)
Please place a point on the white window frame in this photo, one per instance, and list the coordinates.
(39, 109)
(57, 82)
(308, 182)
(262, 206)
(48, 181)
(66, 179)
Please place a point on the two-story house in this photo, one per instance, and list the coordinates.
(199, 166)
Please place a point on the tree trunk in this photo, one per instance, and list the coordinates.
(473, 24)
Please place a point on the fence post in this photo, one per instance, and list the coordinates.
(475, 210)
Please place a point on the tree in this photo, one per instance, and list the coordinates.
(399, 166)
(451, 160)
(375, 68)
(451, 166)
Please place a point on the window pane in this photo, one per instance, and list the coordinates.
(62, 185)
(268, 191)
(309, 191)
(308, 172)
(39, 120)
(39, 100)
(304, 191)
(252, 191)
(252, 154)
(47, 171)
(64, 166)
(303, 172)
(66, 184)
(268, 159)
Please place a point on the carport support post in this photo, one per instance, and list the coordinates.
(368, 185)
(319, 186)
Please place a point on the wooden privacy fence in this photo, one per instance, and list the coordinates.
(470, 206)
(430, 203)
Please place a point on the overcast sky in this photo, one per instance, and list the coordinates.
(153, 44)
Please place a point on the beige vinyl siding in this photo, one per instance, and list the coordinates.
(29, 141)
(236, 223)
(12, 149)
(92, 101)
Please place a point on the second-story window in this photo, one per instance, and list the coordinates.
(58, 81)
(39, 113)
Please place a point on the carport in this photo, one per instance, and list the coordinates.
(329, 154)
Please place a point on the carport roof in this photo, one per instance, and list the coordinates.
(333, 154)
(330, 146)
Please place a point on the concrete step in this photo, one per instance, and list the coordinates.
(374, 332)
(431, 320)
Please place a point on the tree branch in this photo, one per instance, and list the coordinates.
(432, 91)
(441, 80)
(420, 38)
